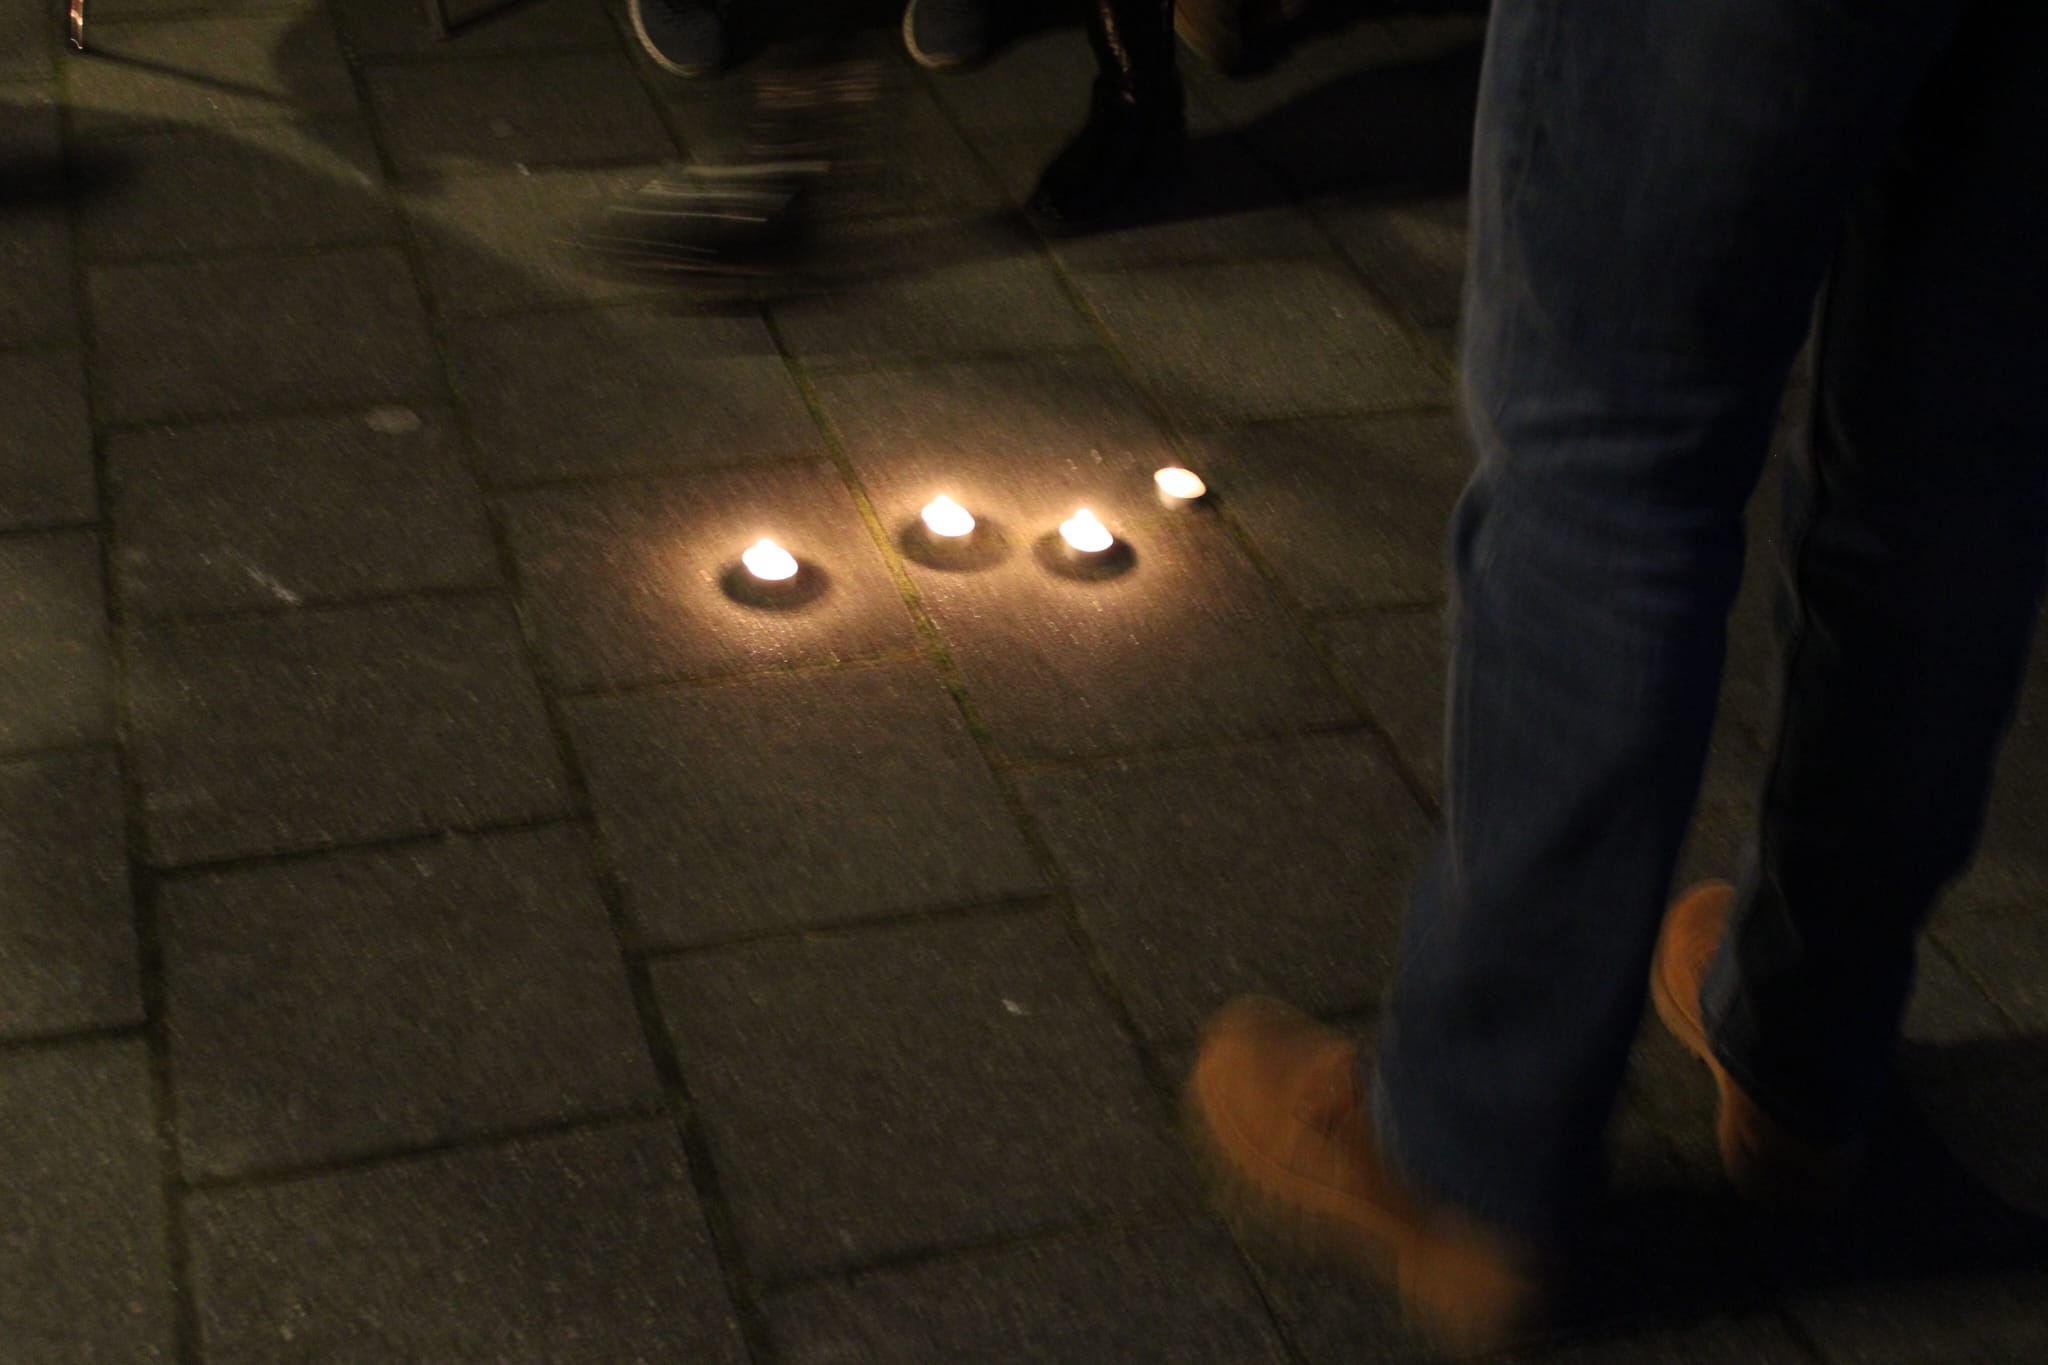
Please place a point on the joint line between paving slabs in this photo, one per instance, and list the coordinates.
(1165, 1088)
(420, 838)
(716, 1212)
(141, 882)
(1006, 907)
(271, 1177)
(1304, 621)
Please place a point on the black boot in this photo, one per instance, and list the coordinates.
(1137, 120)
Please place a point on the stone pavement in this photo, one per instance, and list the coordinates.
(436, 925)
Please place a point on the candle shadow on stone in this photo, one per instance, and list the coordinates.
(806, 586)
(985, 547)
(1055, 556)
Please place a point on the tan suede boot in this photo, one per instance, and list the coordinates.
(1276, 1105)
(1766, 1162)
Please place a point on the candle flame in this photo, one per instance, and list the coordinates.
(948, 518)
(1182, 485)
(767, 560)
(1085, 533)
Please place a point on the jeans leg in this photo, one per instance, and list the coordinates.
(1912, 578)
(1657, 188)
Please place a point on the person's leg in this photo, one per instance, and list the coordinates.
(1914, 561)
(1136, 119)
(1657, 188)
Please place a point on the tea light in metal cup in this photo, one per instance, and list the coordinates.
(769, 562)
(1179, 487)
(1085, 535)
(948, 519)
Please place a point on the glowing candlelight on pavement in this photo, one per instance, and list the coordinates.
(1178, 487)
(1085, 533)
(769, 562)
(944, 517)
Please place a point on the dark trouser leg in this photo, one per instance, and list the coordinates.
(1658, 186)
(1135, 118)
(1918, 526)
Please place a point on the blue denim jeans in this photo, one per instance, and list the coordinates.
(1665, 195)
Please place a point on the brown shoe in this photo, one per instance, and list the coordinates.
(1766, 1162)
(1276, 1102)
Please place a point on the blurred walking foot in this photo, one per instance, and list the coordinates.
(943, 35)
(718, 220)
(1277, 1103)
(684, 37)
(750, 216)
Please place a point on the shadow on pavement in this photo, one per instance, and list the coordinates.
(1956, 1190)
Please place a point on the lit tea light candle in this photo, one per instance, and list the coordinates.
(769, 562)
(944, 517)
(1085, 534)
(1178, 487)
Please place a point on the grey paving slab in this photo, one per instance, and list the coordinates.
(2005, 950)
(46, 470)
(313, 330)
(800, 801)
(56, 677)
(1281, 869)
(1021, 443)
(1396, 661)
(28, 40)
(1350, 513)
(583, 1249)
(1412, 253)
(260, 68)
(383, 28)
(625, 389)
(39, 303)
(912, 1087)
(67, 926)
(2011, 864)
(227, 517)
(1949, 1005)
(501, 242)
(1168, 1292)
(1187, 646)
(371, 1002)
(1978, 1318)
(530, 109)
(271, 186)
(930, 287)
(83, 1273)
(626, 583)
(1224, 343)
(316, 728)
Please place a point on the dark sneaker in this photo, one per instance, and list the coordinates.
(684, 37)
(944, 34)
